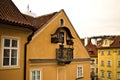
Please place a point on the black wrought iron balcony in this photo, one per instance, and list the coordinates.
(64, 55)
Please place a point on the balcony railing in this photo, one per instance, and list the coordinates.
(64, 55)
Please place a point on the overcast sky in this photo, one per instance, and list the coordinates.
(89, 17)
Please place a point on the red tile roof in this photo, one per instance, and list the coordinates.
(9, 13)
(92, 49)
(116, 43)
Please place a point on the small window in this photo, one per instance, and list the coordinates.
(109, 74)
(10, 52)
(96, 61)
(102, 74)
(96, 70)
(102, 63)
(118, 75)
(35, 75)
(79, 71)
(109, 52)
(102, 52)
(118, 52)
(118, 63)
(61, 22)
(61, 37)
(109, 63)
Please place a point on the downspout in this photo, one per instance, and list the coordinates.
(29, 38)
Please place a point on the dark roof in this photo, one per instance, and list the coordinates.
(9, 13)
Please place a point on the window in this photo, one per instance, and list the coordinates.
(102, 63)
(108, 52)
(35, 75)
(96, 70)
(61, 37)
(109, 63)
(118, 75)
(61, 22)
(109, 74)
(96, 61)
(102, 74)
(118, 52)
(106, 42)
(10, 52)
(102, 52)
(118, 63)
(79, 71)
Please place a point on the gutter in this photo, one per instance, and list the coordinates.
(29, 38)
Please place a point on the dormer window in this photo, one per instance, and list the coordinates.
(61, 37)
(61, 22)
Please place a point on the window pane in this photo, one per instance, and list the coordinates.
(6, 42)
(14, 53)
(33, 75)
(6, 53)
(38, 75)
(118, 75)
(6, 61)
(14, 43)
(79, 71)
(13, 61)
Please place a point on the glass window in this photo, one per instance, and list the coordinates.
(102, 52)
(118, 75)
(118, 52)
(61, 37)
(109, 74)
(10, 52)
(35, 75)
(109, 63)
(102, 74)
(80, 71)
(118, 63)
(102, 63)
(109, 53)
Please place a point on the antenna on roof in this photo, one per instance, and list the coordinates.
(28, 7)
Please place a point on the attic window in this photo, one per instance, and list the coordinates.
(61, 22)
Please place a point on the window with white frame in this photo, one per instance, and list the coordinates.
(118, 63)
(109, 74)
(109, 63)
(10, 52)
(79, 71)
(118, 75)
(35, 75)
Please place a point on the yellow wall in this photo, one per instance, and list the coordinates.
(114, 57)
(13, 73)
(41, 47)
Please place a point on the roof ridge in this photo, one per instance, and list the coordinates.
(46, 14)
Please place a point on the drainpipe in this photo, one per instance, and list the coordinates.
(29, 38)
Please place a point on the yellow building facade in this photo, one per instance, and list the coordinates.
(42, 52)
(48, 49)
(109, 59)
